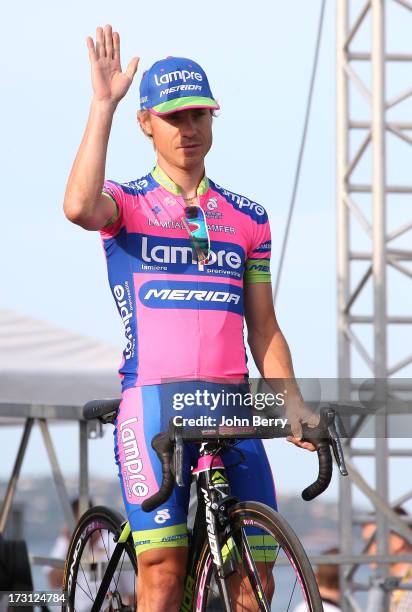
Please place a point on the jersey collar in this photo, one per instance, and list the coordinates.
(165, 181)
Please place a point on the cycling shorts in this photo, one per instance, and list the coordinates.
(145, 411)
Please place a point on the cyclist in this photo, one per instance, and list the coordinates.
(186, 260)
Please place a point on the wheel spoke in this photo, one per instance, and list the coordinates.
(291, 596)
(85, 592)
(88, 586)
(104, 546)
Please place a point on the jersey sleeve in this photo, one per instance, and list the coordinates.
(113, 191)
(257, 266)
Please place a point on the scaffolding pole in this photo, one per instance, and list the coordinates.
(378, 253)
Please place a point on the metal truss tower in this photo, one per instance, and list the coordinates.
(369, 249)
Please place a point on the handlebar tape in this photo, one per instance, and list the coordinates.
(325, 471)
(164, 450)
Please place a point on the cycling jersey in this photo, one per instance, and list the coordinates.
(182, 319)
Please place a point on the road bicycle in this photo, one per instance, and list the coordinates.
(242, 555)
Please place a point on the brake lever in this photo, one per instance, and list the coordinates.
(335, 442)
(178, 461)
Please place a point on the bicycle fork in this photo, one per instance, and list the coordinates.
(213, 489)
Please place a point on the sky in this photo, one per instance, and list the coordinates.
(59, 272)
(258, 59)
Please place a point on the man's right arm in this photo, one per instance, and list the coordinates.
(84, 203)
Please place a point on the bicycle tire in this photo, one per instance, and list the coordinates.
(206, 597)
(94, 520)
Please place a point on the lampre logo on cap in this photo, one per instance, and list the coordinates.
(177, 75)
(173, 84)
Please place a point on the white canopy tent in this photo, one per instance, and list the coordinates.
(43, 364)
(47, 374)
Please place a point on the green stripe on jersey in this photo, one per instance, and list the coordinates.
(262, 547)
(162, 537)
(257, 271)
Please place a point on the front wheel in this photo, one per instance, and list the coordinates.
(93, 546)
(265, 566)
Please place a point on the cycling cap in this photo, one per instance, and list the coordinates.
(173, 84)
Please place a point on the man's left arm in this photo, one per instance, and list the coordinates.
(272, 355)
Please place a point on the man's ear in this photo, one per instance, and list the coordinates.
(143, 118)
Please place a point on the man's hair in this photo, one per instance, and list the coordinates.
(328, 575)
(75, 504)
(397, 510)
(400, 512)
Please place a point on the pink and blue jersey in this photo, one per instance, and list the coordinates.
(182, 319)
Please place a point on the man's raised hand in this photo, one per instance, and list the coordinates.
(109, 83)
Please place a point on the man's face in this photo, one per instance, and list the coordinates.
(182, 138)
(367, 531)
(396, 543)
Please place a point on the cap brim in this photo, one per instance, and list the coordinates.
(172, 106)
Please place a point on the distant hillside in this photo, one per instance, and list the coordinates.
(41, 515)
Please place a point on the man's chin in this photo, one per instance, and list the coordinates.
(190, 161)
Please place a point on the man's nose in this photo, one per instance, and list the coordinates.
(188, 126)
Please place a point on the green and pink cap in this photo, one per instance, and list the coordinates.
(173, 84)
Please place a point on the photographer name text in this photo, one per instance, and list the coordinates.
(209, 421)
